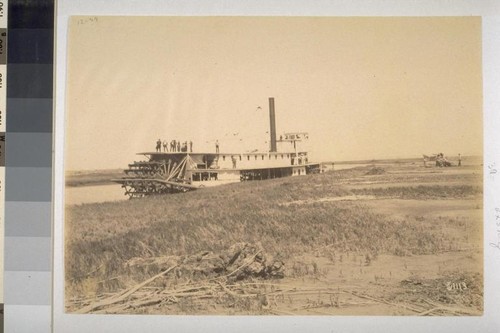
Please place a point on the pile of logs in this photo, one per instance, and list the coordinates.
(206, 273)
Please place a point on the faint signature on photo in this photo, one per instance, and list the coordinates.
(492, 170)
(456, 286)
(497, 223)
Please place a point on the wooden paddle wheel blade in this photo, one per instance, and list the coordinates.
(156, 177)
(141, 187)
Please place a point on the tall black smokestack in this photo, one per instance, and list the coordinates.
(272, 123)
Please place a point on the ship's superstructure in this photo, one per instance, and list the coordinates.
(167, 172)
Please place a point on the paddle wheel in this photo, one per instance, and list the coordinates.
(163, 173)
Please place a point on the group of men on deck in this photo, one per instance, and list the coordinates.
(175, 146)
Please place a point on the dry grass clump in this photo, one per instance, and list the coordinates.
(376, 171)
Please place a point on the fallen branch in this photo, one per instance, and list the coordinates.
(383, 301)
(118, 298)
(459, 311)
(232, 293)
(282, 312)
(427, 312)
(447, 309)
(248, 262)
(146, 303)
(185, 290)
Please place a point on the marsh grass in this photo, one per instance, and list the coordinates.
(102, 237)
(422, 192)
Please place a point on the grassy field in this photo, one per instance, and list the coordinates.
(327, 226)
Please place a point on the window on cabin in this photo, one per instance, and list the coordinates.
(281, 156)
(275, 157)
(248, 158)
(240, 157)
(223, 157)
(262, 157)
(256, 157)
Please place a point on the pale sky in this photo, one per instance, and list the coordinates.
(364, 88)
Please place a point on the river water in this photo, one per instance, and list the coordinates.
(92, 194)
(114, 192)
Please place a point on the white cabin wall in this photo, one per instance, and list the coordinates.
(257, 161)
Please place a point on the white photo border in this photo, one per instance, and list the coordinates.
(490, 13)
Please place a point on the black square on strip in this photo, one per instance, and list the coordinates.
(31, 14)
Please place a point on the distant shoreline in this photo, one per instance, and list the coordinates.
(403, 160)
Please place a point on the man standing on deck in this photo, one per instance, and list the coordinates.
(158, 146)
(216, 146)
(190, 146)
(165, 146)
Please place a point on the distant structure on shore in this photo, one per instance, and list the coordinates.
(327, 166)
(439, 160)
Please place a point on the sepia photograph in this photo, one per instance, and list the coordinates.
(275, 166)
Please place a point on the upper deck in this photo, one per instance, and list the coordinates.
(227, 161)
